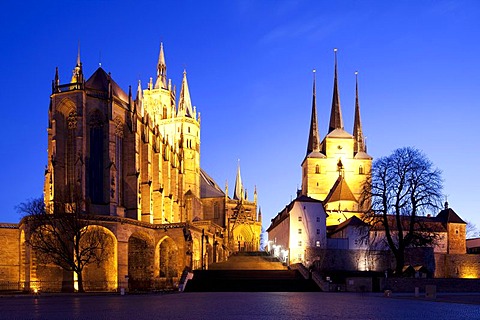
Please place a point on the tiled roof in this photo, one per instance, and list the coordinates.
(99, 81)
(449, 216)
(340, 191)
(208, 187)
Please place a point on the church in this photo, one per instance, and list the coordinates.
(323, 225)
(333, 172)
(131, 162)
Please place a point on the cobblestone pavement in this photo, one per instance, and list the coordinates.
(229, 305)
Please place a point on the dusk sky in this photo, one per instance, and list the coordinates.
(249, 66)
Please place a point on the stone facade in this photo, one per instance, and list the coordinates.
(132, 166)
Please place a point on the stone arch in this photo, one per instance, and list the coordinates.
(140, 261)
(168, 265)
(103, 276)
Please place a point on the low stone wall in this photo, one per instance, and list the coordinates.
(457, 266)
(9, 253)
(443, 285)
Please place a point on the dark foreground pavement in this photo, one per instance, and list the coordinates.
(243, 305)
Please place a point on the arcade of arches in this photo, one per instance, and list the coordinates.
(139, 257)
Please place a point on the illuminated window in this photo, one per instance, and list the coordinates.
(299, 218)
(300, 243)
(317, 243)
(317, 169)
(299, 231)
(318, 231)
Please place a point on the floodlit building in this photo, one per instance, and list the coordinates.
(132, 159)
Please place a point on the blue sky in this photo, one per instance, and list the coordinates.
(249, 66)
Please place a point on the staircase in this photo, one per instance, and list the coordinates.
(249, 272)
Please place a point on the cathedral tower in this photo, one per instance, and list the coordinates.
(334, 170)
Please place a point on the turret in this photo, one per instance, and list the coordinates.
(184, 102)
(336, 121)
(77, 73)
(161, 81)
(238, 191)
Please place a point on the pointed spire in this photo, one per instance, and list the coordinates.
(185, 103)
(139, 98)
(77, 73)
(238, 191)
(259, 218)
(161, 70)
(357, 123)
(336, 121)
(313, 137)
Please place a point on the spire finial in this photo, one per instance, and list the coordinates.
(161, 81)
(78, 54)
(336, 121)
(314, 136)
(359, 145)
(238, 191)
(185, 103)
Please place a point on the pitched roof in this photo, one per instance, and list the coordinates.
(208, 187)
(99, 81)
(449, 216)
(282, 215)
(340, 191)
(350, 222)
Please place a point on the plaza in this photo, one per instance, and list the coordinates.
(259, 305)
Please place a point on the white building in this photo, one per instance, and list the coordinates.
(300, 225)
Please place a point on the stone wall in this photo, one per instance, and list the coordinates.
(9, 254)
(457, 266)
(443, 285)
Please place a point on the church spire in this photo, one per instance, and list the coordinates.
(184, 103)
(313, 137)
(161, 70)
(357, 123)
(238, 191)
(77, 73)
(336, 121)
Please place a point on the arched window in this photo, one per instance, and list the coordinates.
(96, 163)
(70, 152)
(317, 169)
(360, 170)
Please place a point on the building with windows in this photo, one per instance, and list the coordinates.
(132, 161)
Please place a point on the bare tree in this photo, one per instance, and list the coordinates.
(472, 231)
(403, 188)
(67, 238)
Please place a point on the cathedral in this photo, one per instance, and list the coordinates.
(132, 164)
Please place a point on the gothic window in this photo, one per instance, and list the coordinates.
(299, 218)
(164, 112)
(71, 152)
(318, 219)
(300, 243)
(119, 160)
(318, 231)
(96, 161)
(188, 129)
(317, 243)
(216, 211)
(360, 170)
(317, 169)
(299, 231)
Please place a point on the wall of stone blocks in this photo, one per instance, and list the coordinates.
(9, 255)
(457, 266)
